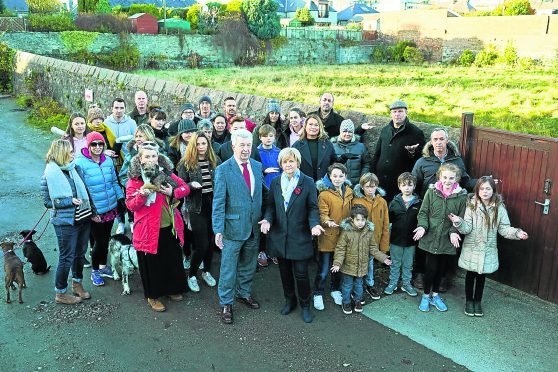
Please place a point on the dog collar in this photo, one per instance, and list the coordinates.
(11, 250)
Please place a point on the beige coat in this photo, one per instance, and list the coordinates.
(333, 207)
(378, 213)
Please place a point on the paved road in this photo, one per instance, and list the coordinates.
(117, 333)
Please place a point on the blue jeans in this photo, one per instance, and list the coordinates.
(72, 245)
(350, 284)
(369, 278)
(401, 261)
(238, 265)
(325, 261)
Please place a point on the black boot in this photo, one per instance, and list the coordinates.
(290, 305)
(306, 314)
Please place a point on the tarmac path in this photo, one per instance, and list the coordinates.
(112, 332)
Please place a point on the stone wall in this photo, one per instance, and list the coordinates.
(68, 81)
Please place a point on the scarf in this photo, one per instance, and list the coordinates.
(440, 188)
(182, 149)
(102, 127)
(288, 186)
(59, 187)
(153, 195)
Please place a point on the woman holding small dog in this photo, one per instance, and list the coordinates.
(64, 192)
(197, 168)
(152, 193)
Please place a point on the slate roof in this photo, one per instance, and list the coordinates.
(355, 9)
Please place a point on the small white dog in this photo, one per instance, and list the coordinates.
(123, 259)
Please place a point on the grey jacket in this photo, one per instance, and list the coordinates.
(358, 166)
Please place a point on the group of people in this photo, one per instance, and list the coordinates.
(211, 181)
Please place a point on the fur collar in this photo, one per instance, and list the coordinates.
(428, 150)
(357, 190)
(347, 225)
(134, 171)
(325, 184)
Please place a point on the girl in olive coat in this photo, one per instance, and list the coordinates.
(438, 237)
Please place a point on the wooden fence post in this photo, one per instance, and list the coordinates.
(465, 140)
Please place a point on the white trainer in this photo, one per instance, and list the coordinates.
(193, 284)
(208, 279)
(337, 297)
(319, 302)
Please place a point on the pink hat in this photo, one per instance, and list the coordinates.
(94, 136)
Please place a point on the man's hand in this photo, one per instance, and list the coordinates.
(317, 230)
(219, 240)
(264, 226)
(455, 239)
(412, 148)
(271, 170)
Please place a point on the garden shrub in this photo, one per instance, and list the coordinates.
(509, 57)
(487, 56)
(193, 16)
(413, 55)
(466, 58)
(78, 40)
(102, 7)
(7, 65)
(43, 6)
(380, 54)
(526, 63)
(54, 22)
(104, 23)
(144, 8)
(395, 52)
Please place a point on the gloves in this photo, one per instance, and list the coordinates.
(347, 156)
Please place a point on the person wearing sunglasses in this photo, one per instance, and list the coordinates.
(102, 183)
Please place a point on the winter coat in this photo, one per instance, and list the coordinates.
(354, 248)
(193, 202)
(390, 156)
(131, 151)
(403, 220)
(101, 181)
(355, 167)
(126, 126)
(269, 159)
(377, 213)
(147, 219)
(480, 253)
(290, 236)
(221, 140)
(333, 207)
(426, 167)
(163, 136)
(433, 216)
(332, 123)
(139, 119)
(326, 157)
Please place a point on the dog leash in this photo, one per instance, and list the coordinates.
(31, 231)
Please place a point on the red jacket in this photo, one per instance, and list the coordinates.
(147, 219)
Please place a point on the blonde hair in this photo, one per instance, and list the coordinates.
(147, 131)
(369, 178)
(450, 168)
(322, 135)
(190, 158)
(289, 152)
(60, 152)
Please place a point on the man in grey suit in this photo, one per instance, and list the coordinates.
(237, 205)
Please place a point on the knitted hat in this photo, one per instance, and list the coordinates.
(398, 104)
(94, 136)
(186, 106)
(204, 99)
(347, 125)
(95, 113)
(273, 106)
(186, 125)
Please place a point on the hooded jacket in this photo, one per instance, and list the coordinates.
(354, 248)
(124, 127)
(433, 216)
(377, 213)
(480, 252)
(403, 220)
(358, 166)
(426, 167)
(333, 207)
(147, 219)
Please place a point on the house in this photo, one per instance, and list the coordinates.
(158, 3)
(287, 8)
(398, 5)
(354, 13)
(321, 10)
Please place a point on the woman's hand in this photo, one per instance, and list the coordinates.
(195, 185)
(264, 226)
(331, 223)
(419, 233)
(76, 201)
(110, 153)
(96, 219)
(522, 235)
(167, 190)
(317, 230)
(144, 192)
(335, 268)
(455, 239)
(454, 218)
(271, 170)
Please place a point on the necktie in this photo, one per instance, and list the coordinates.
(246, 175)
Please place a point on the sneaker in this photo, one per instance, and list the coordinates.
(372, 292)
(86, 263)
(409, 289)
(208, 279)
(478, 308)
(469, 308)
(121, 228)
(262, 259)
(96, 278)
(106, 272)
(275, 260)
(193, 284)
(424, 303)
(201, 266)
(319, 302)
(358, 307)
(186, 263)
(337, 297)
(347, 309)
(438, 303)
(390, 289)
(132, 227)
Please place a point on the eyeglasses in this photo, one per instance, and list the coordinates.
(97, 144)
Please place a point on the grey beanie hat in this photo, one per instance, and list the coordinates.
(186, 125)
(204, 99)
(398, 104)
(186, 106)
(273, 106)
(347, 125)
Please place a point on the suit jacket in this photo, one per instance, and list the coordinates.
(235, 212)
(226, 152)
(290, 236)
(326, 157)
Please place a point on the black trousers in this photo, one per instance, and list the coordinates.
(295, 271)
(476, 280)
(202, 235)
(100, 231)
(435, 267)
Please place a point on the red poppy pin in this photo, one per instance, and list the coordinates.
(297, 191)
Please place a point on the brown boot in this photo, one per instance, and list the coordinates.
(156, 305)
(64, 298)
(78, 290)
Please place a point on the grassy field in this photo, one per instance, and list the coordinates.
(520, 101)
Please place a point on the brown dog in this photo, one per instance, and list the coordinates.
(13, 267)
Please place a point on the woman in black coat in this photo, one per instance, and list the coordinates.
(317, 152)
(291, 218)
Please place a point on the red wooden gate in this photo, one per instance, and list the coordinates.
(527, 166)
